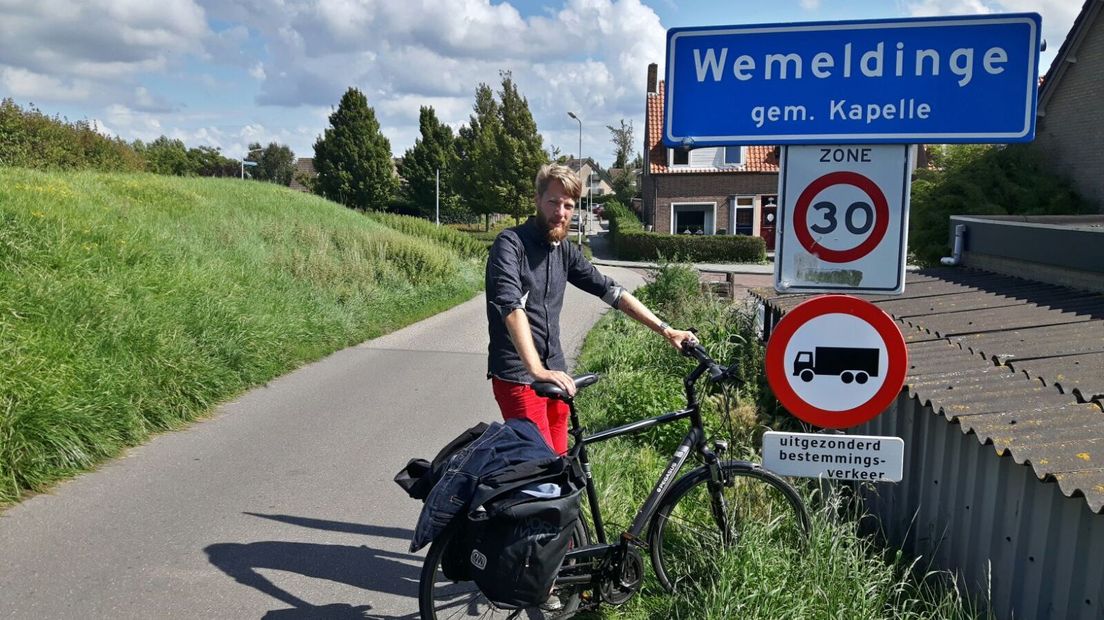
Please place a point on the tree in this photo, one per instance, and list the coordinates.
(624, 185)
(477, 156)
(983, 179)
(166, 156)
(622, 139)
(434, 151)
(521, 150)
(353, 158)
(499, 153)
(208, 161)
(275, 163)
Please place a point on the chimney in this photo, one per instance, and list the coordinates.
(652, 70)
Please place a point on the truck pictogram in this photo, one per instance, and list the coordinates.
(848, 363)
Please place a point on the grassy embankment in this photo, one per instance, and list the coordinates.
(838, 575)
(133, 303)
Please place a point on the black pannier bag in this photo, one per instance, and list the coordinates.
(518, 540)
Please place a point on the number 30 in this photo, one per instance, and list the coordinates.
(829, 211)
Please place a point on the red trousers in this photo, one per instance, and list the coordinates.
(550, 415)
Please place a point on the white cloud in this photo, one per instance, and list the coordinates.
(98, 38)
(810, 5)
(926, 8)
(258, 71)
(589, 56)
(133, 124)
(31, 86)
(1057, 16)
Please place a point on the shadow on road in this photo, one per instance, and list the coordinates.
(361, 567)
(339, 526)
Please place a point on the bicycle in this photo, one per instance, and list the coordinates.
(689, 521)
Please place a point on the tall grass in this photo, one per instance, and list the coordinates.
(462, 244)
(131, 303)
(838, 574)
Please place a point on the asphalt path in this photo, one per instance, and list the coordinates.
(281, 505)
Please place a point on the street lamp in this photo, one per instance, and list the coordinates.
(572, 115)
(250, 163)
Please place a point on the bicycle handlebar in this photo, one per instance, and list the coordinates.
(698, 352)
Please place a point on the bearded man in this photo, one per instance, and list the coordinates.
(528, 270)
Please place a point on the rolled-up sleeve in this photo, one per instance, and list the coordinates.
(504, 285)
(585, 276)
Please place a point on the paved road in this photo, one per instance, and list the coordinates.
(281, 505)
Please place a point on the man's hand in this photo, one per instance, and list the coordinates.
(558, 377)
(640, 313)
(677, 336)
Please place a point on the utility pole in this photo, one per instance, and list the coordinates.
(572, 115)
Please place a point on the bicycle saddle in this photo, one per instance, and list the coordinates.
(551, 390)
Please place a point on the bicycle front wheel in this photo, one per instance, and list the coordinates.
(441, 598)
(696, 527)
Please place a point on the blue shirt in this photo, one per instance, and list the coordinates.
(525, 271)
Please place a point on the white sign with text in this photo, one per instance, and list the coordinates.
(843, 221)
(840, 457)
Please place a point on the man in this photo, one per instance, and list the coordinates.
(527, 273)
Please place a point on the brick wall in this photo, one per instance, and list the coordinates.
(1071, 134)
(660, 191)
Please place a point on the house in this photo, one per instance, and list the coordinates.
(1070, 125)
(731, 190)
(592, 176)
(304, 170)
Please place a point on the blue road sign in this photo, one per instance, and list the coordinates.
(926, 80)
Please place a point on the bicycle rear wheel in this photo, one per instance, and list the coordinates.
(440, 598)
(695, 527)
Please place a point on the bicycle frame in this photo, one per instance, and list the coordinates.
(694, 440)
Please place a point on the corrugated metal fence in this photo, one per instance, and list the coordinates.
(1010, 537)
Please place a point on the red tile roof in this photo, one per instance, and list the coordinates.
(760, 158)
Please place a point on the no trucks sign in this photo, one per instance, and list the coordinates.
(836, 361)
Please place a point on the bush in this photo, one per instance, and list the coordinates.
(621, 218)
(632, 242)
(642, 245)
(983, 180)
(31, 139)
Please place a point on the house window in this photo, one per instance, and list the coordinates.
(743, 215)
(731, 155)
(692, 219)
(680, 157)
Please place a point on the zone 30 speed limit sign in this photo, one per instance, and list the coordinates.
(844, 218)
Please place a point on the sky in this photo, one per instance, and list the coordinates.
(226, 73)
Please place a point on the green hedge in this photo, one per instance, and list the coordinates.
(632, 242)
(642, 245)
(621, 218)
